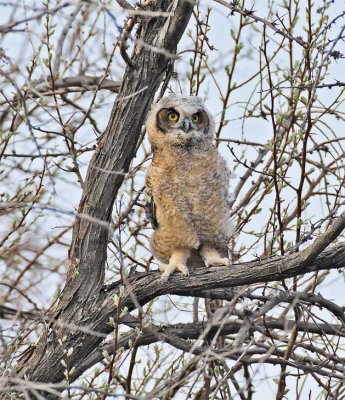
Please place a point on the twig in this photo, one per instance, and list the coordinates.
(272, 25)
(50, 11)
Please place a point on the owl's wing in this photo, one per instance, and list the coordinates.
(150, 210)
(150, 207)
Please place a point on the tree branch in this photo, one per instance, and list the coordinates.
(83, 83)
(82, 318)
(195, 330)
(202, 282)
(272, 25)
(82, 296)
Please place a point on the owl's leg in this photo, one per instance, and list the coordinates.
(211, 256)
(178, 261)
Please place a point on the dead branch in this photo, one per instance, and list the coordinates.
(115, 151)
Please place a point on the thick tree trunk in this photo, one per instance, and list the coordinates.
(77, 316)
(79, 323)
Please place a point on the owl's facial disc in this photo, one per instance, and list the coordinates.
(168, 119)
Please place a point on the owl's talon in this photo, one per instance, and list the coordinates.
(205, 260)
(165, 277)
(183, 268)
(168, 269)
(216, 262)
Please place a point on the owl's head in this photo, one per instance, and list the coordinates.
(180, 121)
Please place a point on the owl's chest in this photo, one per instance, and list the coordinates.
(189, 182)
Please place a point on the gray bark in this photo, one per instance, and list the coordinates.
(81, 318)
(79, 304)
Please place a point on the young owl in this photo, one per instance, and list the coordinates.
(187, 184)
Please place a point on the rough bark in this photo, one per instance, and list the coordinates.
(203, 282)
(194, 330)
(79, 303)
(80, 321)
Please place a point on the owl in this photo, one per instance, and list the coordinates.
(187, 185)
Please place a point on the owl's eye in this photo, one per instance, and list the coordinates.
(195, 118)
(172, 116)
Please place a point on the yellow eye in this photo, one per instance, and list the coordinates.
(195, 118)
(173, 116)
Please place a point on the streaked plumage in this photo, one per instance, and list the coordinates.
(187, 185)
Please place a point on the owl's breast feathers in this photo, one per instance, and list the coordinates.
(188, 186)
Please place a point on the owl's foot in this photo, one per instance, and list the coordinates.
(211, 257)
(168, 269)
(178, 261)
(216, 261)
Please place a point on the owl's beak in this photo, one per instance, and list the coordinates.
(187, 125)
